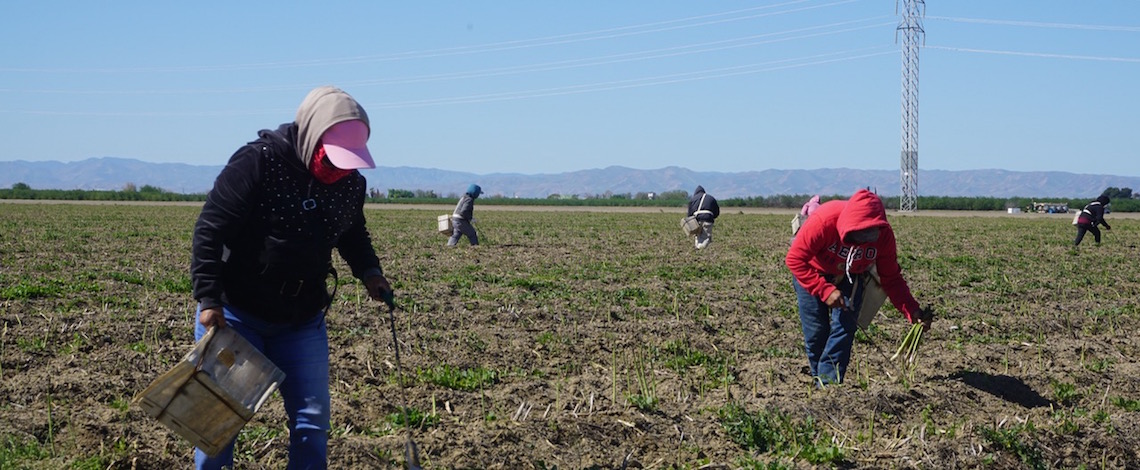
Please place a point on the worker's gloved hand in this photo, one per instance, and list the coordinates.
(389, 298)
(379, 289)
(923, 315)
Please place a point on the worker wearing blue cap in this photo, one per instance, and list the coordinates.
(462, 219)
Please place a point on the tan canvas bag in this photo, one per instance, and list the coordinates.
(873, 298)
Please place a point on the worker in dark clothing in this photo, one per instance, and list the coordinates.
(1091, 216)
(262, 255)
(705, 208)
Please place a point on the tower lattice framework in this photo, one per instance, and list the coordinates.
(910, 26)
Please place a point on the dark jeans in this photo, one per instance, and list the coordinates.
(828, 333)
(302, 352)
(1091, 228)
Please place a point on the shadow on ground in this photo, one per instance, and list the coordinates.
(1011, 389)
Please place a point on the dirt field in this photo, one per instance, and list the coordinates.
(574, 339)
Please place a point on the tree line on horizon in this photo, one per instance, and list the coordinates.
(1123, 199)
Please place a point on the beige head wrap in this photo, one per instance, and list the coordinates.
(323, 107)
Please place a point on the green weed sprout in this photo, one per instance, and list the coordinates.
(909, 346)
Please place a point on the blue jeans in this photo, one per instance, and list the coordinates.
(302, 352)
(828, 332)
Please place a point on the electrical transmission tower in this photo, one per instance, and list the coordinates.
(911, 28)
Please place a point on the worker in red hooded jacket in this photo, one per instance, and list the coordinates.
(830, 259)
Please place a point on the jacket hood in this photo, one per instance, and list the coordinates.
(700, 189)
(863, 210)
(814, 199)
(280, 139)
(323, 107)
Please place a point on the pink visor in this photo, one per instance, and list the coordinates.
(346, 145)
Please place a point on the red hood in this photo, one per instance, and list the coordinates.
(863, 210)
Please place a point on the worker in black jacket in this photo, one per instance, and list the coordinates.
(262, 254)
(705, 208)
(1091, 216)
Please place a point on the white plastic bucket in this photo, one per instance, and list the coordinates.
(209, 396)
(443, 223)
(690, 225)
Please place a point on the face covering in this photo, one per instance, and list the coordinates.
(324, 170)
(867, 235)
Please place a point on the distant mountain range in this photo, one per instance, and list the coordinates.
(116, 173)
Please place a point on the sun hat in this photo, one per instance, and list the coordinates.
(345, 145)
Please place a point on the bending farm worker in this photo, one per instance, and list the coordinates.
(262, 254)
(1091, 216)
(462, 220)
(810, 206)
(705, 208)
(805, 211)
(830, 260)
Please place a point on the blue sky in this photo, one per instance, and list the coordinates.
(546, 87)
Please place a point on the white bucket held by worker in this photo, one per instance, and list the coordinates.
(797, 222)
(690, 225)
(213, 392)
(443, 223)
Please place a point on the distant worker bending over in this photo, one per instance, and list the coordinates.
(705, 208)
(1091, 216)
(805, 211)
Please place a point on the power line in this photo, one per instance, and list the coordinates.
(1035, 24)
(1045, 55)
(595, 35)
(723, 72)
(634, 83)
(711, 46)
(286, 111)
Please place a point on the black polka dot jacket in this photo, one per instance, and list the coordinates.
(264, 239)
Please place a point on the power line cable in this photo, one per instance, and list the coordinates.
(609, 33)
(771, 66)
(1038, 54)
(624, 84)
(261, 112)
(711, 46)
(1035, 24)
